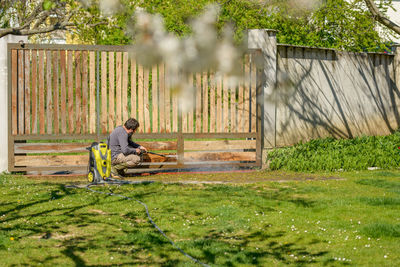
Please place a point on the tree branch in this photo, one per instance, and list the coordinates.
(30, 17)
(378, 16)
(55, 27)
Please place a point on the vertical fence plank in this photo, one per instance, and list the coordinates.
(63, 97)
(198, 103)
(219, 103)
(140, 98)
(92, 93)
(146, 100)
(118, 82)
(41, 93)
(240, 111)
(14, 91)
(225, 109)
(191, 108)
(205, 102)
(233, 109)
(27, 89)
(133, 89)
(154, 98)
(20, 91)
(183, 110)
(246, 113)
(212, 102)
(56, 125)
(85, 92)
(111, 91)
(49, 98)
(125, 62)
(104, 117)
(175, 107)
(167, 101)
(78, 91)
(162, 97)
(34, 92)
(184, 115)
(253, 93)
(71, 115)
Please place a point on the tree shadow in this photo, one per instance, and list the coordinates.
(131, 243)
(336, 94)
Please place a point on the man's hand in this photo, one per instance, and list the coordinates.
(141, 150)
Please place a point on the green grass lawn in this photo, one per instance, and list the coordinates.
(278, 219)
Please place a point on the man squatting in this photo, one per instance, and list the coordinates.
(124, 152)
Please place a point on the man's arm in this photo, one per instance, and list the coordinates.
(133, 144)
(126, 148)
(136, 145)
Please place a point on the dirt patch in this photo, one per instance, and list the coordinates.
(98, 212)
(56, 236)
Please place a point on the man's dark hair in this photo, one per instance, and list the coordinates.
(131, 124)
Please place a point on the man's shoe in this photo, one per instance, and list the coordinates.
(115, 173)
(121, 172)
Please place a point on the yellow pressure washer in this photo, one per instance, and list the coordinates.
(99, 168)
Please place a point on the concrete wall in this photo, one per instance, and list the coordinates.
(337, 94)
(4, 98)
(323, 92)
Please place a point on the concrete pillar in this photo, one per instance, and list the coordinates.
(396, 85)
(266, 41)
(4, 97)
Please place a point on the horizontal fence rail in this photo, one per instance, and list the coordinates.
(84, 92)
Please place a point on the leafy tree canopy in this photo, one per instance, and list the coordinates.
(340, 24)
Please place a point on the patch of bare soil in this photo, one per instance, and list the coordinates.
(57, 236)
(98, 212)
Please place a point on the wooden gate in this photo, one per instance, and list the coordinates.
(63, 97)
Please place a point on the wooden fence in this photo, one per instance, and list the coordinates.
(60, 94)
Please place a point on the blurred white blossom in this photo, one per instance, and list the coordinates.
(109, 7)
(201, 51)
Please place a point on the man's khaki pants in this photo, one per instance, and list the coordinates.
(122, 162)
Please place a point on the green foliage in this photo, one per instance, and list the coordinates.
(95, 29)
(339, 24)
(331, 154)
(177, 14)
(47, 5)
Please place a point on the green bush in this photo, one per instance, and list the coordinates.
(332, 154)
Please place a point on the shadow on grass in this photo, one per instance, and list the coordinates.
(219, 249)
(139, 243)
(391, 186)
